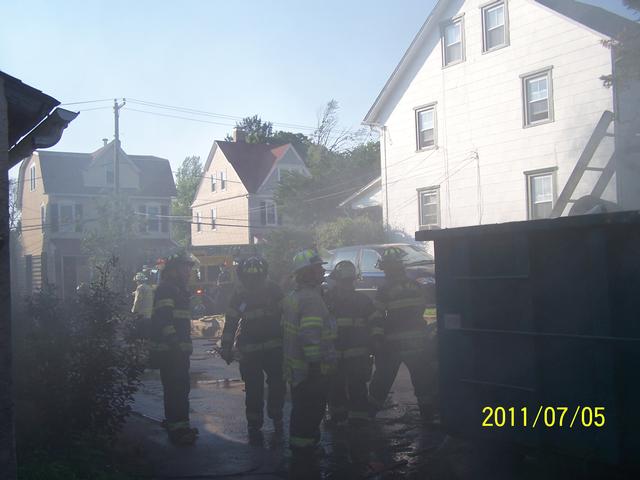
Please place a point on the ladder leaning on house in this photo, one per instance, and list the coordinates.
(606, 172)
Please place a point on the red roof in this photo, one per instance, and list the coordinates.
(252, 161)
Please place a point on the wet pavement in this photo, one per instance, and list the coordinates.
(394, 446)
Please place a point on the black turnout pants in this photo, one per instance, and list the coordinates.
(174, 373)
(348, 390)
(309, 401)
(253, 368)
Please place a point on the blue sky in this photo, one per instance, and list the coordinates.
(280, 59)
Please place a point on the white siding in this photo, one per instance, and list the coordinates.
(480, 136)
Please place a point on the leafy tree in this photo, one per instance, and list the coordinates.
(281, 246)
(347, 231)
(188, 178)
(626, 49)
(255, 129)
(14, 212)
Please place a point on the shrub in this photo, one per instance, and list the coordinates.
(281, 246)
(77, 366)
(347, 231)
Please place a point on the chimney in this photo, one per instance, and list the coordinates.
(105, 141)
(239, 135)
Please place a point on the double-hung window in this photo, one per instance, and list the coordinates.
(214, 216)
(213, 182)
(429, 207)
(268, 213)
(540, 193)
(223, 180)
(426, 127)
(153, 224)
(453, 42)
(537, 98)
(198, 222)
(494, 26)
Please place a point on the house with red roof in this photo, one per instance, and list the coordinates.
(234, 203)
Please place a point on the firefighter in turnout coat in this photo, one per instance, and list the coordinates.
(310, 357)
(352, 311)
(400, 306)
(170, 345)
(254, 321)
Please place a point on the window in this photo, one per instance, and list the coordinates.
(453, 43)
(164, 218)
(78, 216)
(198, 222)
(142, 210)
(32, 178)
(153, 223)
(368, 261)
(110, 176)
(538, 99)
(426, 127)
(341, 254)
(429, 207)
(214, 216)
(494, 26)
(213, 183)
(268, 213)
(67, 220)
(541, 194)
(223, 180)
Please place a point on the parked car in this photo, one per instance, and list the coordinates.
(419, 264)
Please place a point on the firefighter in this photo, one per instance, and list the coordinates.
(352, 311)
(171, 347)
(400, 305)
(256, 307)
(142, 297)
(309, 352)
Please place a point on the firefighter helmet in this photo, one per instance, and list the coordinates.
(307, 258)
(255, 267)
(180, 257)
(140, 277)
(344, 270)
(391, 257)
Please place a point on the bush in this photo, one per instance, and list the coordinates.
(77, 367)
(347, 231)
(281, 246)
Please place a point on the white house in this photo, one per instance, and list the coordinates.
(497, 113)
(234, 202)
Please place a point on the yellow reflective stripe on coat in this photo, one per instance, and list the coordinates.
(290, 328)
(377, 331)
(256, 347)
(354, 352)
(182, 314)
(311, 352)
(310, 322)
(405, 302)
(302, 442)
(165, 302)
(169, 330)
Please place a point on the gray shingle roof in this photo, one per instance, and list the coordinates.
(62, 173)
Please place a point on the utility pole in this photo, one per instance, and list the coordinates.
(116, 157)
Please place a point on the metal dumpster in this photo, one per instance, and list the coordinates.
(542, 314)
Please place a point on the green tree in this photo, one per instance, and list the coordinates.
(626, 49)
(188, 178)
(349, 231)
(255, 129)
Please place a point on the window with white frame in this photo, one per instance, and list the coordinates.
(538, 98)
(198, 222)
(494, 26)
(223, 180)
(67, 218)
(268, 213)
(153, 222)
(429, 206)
(32, 178)
(426, 127)
(214, 216)
(453, 42)
(541, 194)
(213, 182)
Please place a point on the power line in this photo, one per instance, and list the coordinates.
(87, 101)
